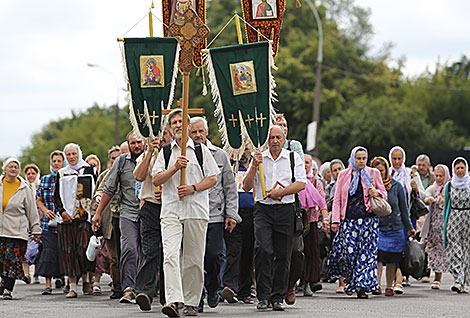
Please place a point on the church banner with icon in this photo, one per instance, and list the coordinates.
(173, 10)
(243, 91)
(151, 67)
(266, 17)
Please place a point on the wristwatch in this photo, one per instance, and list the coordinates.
(194, 187)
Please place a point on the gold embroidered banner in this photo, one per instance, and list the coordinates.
(174, 9)
(266, 17)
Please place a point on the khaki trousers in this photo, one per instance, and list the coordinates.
(183, 284)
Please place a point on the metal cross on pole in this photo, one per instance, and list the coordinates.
(189, 32)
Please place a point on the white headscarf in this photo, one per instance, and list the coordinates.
(325, 166)
(10, 160)
(81, 162)
(400, 174)
(460, 182)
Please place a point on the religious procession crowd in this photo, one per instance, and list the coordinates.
(220, 236)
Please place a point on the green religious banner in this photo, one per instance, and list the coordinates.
(243, 91)
(152, 67)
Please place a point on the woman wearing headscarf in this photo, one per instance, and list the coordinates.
(48, 265)
(32, 174)
(399, 172)
(457, 224)
(325, 172)
(18, 216)
(74, 186)
(312, 202)
(434, 224)
(354, 251)
(391, 239)
(336, 166)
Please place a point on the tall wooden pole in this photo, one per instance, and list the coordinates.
(184, 137)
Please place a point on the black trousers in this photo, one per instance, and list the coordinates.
(152, 250)
(239, 245)
(274, 232)
(117, 236)
(214, 256)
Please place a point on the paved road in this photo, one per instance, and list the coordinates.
(418, 301)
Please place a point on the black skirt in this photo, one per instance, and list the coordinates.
(48, 265)
(389, 257)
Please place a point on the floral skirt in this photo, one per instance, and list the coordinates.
(354, 254)
(435, 243)
(11, 257)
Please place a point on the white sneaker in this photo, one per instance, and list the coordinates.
(398, 289)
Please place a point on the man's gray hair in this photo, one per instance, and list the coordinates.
(280, 127)
(424, 158)
(173, 113)
(198, 119)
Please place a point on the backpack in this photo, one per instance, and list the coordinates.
(121, 163)
(197, 150)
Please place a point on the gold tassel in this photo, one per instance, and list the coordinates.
(198, 72)
(298, 4)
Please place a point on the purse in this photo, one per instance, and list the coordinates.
(417, 207)
(301, 224)
(379, 206)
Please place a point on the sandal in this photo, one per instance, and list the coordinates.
(436, 285)
(340, 290)
(47, 291)
(361, 294)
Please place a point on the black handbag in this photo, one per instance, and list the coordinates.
(417, 207)
(301, 224)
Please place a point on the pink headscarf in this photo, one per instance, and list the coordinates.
(438, 188)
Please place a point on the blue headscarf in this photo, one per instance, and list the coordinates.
(365, 176)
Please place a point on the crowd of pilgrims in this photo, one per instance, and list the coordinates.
(47, 222)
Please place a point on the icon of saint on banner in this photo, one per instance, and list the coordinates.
(264, 9)
(152, 71)
(243, 78)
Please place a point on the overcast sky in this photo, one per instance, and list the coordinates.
(47, 44)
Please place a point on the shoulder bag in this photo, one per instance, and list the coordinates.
(379, 206)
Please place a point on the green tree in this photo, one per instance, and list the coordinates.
(91, 129)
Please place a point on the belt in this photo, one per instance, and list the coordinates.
(276, 206)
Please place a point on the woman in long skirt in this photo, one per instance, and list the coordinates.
(434, 224)
(457, 225)
(354, 250)
(72, 198)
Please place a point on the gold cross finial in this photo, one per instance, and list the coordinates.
(249, 120)
(261, 119)
(189, 32)
(233, 120)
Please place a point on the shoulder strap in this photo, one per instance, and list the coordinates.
(288, 145)
(198, 151)
(291, 155)
(167, 154)
(122, 162)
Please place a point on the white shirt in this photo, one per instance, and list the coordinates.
(278, 170)
(196, 205)
(147, 192)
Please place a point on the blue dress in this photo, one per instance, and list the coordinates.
(354, 250)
